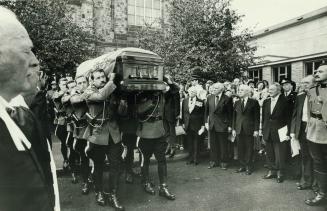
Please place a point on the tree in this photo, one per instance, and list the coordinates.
(59, 43)
(200, 33)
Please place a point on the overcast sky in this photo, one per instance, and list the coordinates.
(260, 14)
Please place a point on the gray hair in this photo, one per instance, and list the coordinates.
(246, 88)
(277, 85)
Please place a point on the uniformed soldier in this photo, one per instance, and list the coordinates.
(105, 138)
(153, 135)
(60, 120)
(317, 133)
(73, 156)
(80, 124)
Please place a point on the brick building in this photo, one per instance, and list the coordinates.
(116, 21)
(291, 49)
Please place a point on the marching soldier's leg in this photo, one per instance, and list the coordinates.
(61, 133)
(72, 157)
(146, 149)
(159, 153)
(130, 141)
(97, 154)
(114, 153)
(318, 153)
(85, 162)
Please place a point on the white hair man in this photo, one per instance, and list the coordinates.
(246, 120)
(275, 118)
(218, 116)
(25, 179)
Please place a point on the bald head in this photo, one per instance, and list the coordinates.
(18, 64)
(217, 88)
(306, 83)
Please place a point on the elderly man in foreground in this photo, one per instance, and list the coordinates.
(26, 182)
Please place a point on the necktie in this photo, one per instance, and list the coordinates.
(216, 100)
(242, 105)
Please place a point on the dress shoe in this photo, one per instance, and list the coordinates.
(319, 199)
(172, 153)
(85, 188)
(248, 172)
(148, 188)
(164, 192)
(280, 179)
(74, 178)
(189, 162)
(212, 165)
(113, 201)
(129, 178)
(303, 187)
(65, 165)
(223, 166)
(99, 198)
(269, 175)
(242, 169)
(196, 163)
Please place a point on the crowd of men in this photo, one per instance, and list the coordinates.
(283, 120)
(92, 120)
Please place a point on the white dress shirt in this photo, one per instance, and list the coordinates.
(305, 110)
(273, 103)
(16, 134)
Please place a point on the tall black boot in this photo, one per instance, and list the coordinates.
(321, 196)
(164, 192)
(147, 186)
(113, 187)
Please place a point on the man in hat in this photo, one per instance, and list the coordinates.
(105, 138)
(317, 133)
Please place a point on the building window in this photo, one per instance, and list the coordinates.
(141, 12)
(281, 72)
(255, 75)
(310, 66)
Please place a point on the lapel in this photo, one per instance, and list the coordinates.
(186, 102)
(221, 100)
(276, 106)
(246, 105)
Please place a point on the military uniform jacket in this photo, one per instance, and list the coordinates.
(317, 113)
(79, 114)
(65, 100)
(103, 110)
(60, 111)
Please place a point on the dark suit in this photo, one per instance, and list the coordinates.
(298, 127)
(272, 122)
(193, 123)
(24, 181)
(220, 118)
(171, 111)
(246, 120)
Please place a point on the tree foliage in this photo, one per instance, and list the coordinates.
(200, 33)
(59, 43)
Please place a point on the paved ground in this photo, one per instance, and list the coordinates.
(197, 188)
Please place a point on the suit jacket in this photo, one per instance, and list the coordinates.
(24, 177)
(297, 115)
(247, 119)
(220, 115)
(194, 120)
(172, 104)
(278, 119)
